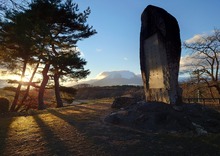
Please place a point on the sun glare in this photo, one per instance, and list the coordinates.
(5, 75)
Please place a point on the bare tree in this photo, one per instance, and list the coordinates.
(206, 53)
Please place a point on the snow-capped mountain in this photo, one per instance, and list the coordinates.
(111, 78)
(116, 74)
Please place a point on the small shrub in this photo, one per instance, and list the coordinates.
(4, 105)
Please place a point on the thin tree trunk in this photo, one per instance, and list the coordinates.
(57, 91)
(217, 88)
(28, 88)
(211, 92)
(16, 97)
(41, 104)
(18, 90)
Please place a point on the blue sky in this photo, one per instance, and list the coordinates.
(116, 46)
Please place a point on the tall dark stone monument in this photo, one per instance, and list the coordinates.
(160, 50)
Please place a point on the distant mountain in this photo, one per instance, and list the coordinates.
(112, 78)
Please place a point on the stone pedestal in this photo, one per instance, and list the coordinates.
(160, 50)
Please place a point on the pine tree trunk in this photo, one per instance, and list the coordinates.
(28, 88)
(57, 91)
(41, 104)
(15, 101)
(18, 90)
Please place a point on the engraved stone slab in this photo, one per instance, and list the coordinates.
(155, 62)
(160, 49)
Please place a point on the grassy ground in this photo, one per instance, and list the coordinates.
(80, 130)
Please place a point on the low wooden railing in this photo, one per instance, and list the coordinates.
(210, 102)
(202, 100)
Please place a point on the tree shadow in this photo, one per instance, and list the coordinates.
(102, 136)
(83, 128)
(87, 108)
(81, 125)
(55, 144)
(67, 118)
(4, 130)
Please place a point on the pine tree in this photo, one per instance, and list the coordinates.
(17, 46)
(59, 26)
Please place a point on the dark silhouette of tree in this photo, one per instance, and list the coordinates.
(68, 93)
(16, 42)
(30, 83)
(45, 33)
(206, 51)
(67, 65)
(59, 27)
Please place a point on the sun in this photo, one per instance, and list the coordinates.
(6, 75)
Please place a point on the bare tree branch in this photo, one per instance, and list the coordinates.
(207, 52)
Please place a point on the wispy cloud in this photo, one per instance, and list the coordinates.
(98, 50)
(125, 58)
(81, 54)
(192, 62)
(186, 63)
(80, 51)
(195, 38)
(199, 37)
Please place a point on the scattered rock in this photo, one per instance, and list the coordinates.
(121, 102)
(113, 119)
(178, 108)
(162, 117)
(199, 129)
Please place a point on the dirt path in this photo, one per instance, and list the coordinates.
(79, 130)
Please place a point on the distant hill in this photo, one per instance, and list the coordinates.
(113, 78)
(109, 92)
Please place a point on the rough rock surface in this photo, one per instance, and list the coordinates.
(160, 50)
(161, 117)
(121, 102)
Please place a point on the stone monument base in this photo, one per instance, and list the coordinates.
(160, 95)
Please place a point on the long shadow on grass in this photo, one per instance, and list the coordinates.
(67, 118)
(117, 140)
(87, 108)
(94, 132)
(55, 145)
(4, 124)
(80, 126)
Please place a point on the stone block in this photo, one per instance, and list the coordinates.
(160, 51)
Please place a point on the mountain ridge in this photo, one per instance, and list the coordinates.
(112, 78)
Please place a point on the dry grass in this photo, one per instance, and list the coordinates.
(80, 130)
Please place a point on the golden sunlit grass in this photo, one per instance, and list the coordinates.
(43, 132)
(80, 130)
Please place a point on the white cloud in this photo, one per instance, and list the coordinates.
(186, 63)
(191, 62)
(195, 38)
(199, 37)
